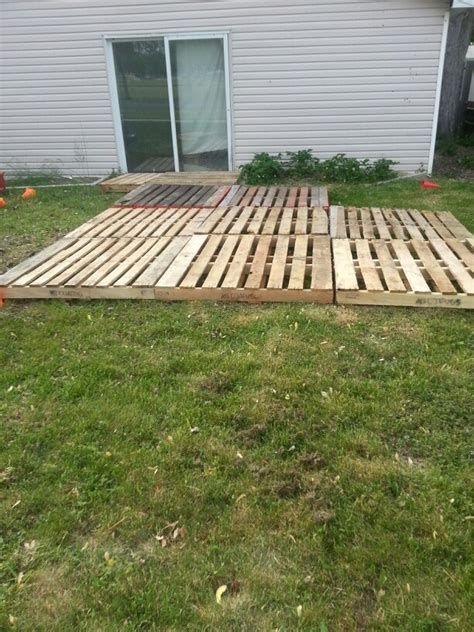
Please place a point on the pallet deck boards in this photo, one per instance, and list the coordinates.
(436, 272)
(159, 195)
(266, 221)
(152, 194)
(184, 267)
(153, 222)
(383, 223)
(255, 253)
(241, 195)
(129, 181)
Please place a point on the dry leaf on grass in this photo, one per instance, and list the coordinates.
(219, 592)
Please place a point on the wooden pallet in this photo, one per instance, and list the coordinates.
(185, 267)
(240, 195)
(433, 273)
(153, 195)
(237, 195)
(129, 181)
(246, 253)
(256, 220)
(142, 222)
(248, 220)
(376, 223)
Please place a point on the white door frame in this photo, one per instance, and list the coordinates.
(112, 79)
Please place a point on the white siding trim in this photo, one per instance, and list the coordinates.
(442, 56)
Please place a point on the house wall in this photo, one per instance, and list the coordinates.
(357, 76)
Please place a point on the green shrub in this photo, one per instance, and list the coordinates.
(302, 165)
(263, 169)
(381, 169)
(340, 168)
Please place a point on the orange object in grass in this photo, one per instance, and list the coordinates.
(28, 193)
(3, 202)
(428, 184)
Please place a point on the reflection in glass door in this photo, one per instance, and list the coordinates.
(199, 103)
(142, 87)
(173, 103)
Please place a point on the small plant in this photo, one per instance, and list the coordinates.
(263, 169)
(381, 170)
(340, 168)
(302, 164)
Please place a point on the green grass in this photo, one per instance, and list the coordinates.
(330, 470)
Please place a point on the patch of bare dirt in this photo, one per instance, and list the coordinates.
(454, 166)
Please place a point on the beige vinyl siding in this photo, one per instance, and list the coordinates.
(339, 75)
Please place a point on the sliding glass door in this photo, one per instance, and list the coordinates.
(173, 100)
(142, 90)
(200, 103)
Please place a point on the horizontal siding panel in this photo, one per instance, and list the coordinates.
(356, 128)
(338, 76)
(187, 8)
(275, 74)
(305, 32)
(245, 121)
(322, 54)
(268, 67)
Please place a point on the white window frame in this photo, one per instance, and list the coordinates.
(167, 37)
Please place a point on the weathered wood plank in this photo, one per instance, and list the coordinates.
(344, 270)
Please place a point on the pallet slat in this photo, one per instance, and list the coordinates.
(412, 273)
(403, 224)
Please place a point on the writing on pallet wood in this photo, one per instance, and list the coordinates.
(289, 267)
(413, 273)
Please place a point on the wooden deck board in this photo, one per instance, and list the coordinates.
(419, 273)
(404, 224)
(255, 253)
(129, 181)
(153, 194)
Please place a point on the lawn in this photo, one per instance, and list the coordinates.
(315, 460)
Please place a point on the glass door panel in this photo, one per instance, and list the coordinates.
(142, 86)
(198, 79)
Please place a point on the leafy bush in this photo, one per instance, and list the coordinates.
(340, 168)
(381, 170)
(302, 165)
(264, 169)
